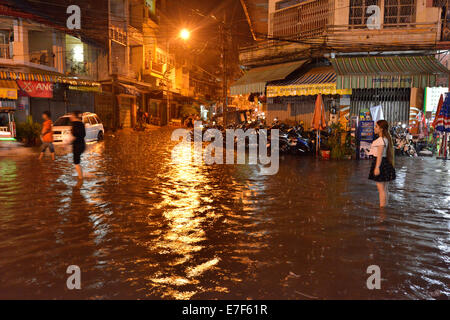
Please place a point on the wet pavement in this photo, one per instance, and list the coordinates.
(143, 227)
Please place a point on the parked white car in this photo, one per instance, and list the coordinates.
(62, 128)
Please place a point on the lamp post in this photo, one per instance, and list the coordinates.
(224, 32)
(184, 35)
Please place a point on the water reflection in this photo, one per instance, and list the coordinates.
(141, 226)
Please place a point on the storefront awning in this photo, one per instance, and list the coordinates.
(55, 78)
(256, 79)
(317, 80)
(8, 89)
(388, 72)
(128, 89)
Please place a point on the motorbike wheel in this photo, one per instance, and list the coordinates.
(284, 148)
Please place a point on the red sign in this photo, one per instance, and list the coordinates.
(36, 89)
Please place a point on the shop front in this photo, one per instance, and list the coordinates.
(249, 92)
(392, 84)
(35, 93)
(8, 106)
(293, 99)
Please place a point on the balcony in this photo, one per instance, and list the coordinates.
(118, 35)
(157, 67)
(135, 36)
(42, 57)
(421, 35)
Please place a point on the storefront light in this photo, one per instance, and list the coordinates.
(78, 53)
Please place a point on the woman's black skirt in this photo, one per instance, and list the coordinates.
(387, 171)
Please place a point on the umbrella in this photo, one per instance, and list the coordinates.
(318, 122)
(442, 123)
(422, 124)
(441, 102)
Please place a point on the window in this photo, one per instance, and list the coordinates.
(399, 12)
(304, 20)
(92, 120)
(62, 122)
(98, 119)
(286, 4)
(86, 120)
(358, 12)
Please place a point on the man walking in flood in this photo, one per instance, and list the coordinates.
(47, 135)
(78, 144)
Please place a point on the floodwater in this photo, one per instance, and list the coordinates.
(141, 227)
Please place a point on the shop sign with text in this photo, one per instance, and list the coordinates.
(36, 89)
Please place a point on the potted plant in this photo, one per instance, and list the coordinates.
(28, 132)
(337, 147)
(325, 150)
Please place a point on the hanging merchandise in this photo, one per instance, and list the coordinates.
(377, 113)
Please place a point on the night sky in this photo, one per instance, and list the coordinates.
(205, 36)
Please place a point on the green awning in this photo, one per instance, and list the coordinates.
(388, 72)
(256, 79)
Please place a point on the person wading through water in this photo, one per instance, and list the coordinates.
(78, 144)
(47, 135)
(382, 170)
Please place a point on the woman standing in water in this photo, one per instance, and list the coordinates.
(78, 144)
(382, 170)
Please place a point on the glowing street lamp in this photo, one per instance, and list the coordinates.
(185, 34)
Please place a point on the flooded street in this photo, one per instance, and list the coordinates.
(142, 227)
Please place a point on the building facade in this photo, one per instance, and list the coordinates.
(360, 53)
(119, 64)
(45, 67)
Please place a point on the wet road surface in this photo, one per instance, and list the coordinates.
(143, 227)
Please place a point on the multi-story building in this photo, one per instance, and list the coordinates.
(43, 66)
(357, 53)
(122, 52)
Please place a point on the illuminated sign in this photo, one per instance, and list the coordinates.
(7, 93)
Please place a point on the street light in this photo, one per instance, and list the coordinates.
(184, 34)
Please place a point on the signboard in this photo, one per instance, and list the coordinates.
(366, 131)
(392, 81)
(305, 90)
(432, 96)
(366, 135)
(8, 93)
(36, 89)
(86, 89)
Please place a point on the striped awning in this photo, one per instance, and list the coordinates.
(388, 72)
(320, 80)
(10, 75)
(256, 79)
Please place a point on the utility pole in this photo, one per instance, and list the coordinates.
(224, 38)
(116, 107)
(167, 75)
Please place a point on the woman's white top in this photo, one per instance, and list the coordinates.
(379, 143)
